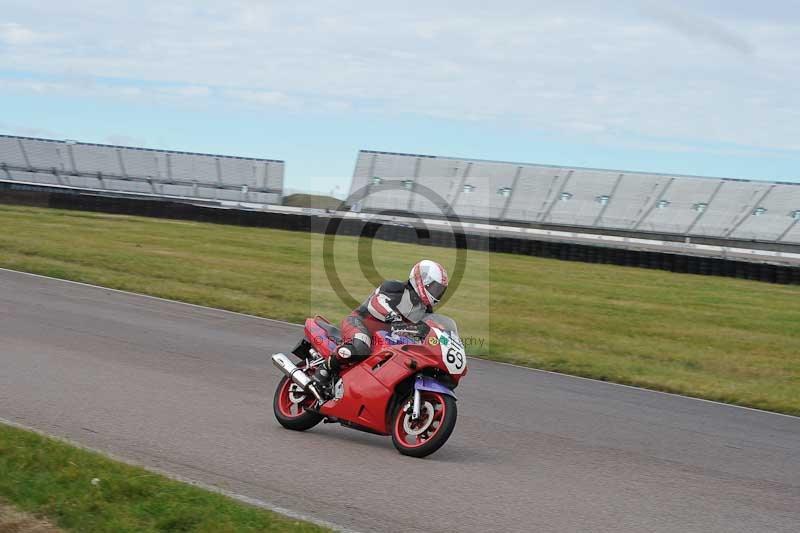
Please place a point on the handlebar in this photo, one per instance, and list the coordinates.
(407, 330)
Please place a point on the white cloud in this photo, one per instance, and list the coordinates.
(19, 35)
(579, 67)
(260, 98)
(32, 86)
(189, 91)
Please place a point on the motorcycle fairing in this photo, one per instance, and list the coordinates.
(427, 383)
(364, 402)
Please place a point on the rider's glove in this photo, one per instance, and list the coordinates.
(393, 317)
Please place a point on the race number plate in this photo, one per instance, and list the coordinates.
(453, 355)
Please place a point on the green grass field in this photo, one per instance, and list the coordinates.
(725, 339)
(49, 478)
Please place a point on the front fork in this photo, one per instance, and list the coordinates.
(415, 404)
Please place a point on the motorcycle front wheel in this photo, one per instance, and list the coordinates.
(421, 437)
(290, 405)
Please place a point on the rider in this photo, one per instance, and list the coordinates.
(393, 301)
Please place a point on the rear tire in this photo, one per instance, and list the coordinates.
(293, 414)
(440, 409)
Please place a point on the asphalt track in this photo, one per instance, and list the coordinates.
(188, 390)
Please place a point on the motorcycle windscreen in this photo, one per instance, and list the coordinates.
(442, 322)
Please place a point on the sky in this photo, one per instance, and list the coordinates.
(707, 87)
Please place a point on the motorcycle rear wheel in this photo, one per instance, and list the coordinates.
(290, 410)
(422, 437)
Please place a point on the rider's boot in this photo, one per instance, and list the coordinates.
(323, 375)
(327, 373)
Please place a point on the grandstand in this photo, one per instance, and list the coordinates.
(588, 200)
(122, 170)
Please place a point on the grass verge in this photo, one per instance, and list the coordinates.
(47, 477)
(718, 338)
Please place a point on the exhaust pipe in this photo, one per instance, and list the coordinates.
(299, 377)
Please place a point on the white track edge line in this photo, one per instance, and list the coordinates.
(634, 387)
(255, 502)
(490, 361)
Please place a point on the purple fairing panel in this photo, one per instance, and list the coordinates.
(430, 384)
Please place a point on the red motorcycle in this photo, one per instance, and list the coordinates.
(403, 389)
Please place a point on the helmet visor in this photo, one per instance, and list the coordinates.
(436, 290)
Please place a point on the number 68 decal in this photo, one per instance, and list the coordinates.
(453, 354)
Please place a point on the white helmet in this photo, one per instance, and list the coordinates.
(429, 280)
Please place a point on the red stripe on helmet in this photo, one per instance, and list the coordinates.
(420, 286)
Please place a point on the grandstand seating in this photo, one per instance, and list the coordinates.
(123, 169)
(591, 198)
